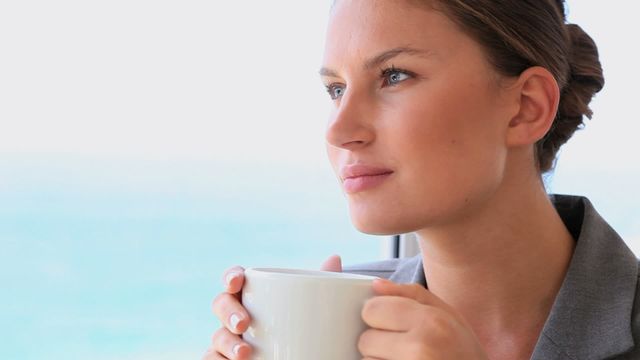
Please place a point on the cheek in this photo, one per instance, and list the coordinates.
(450, 128)
(451, 148)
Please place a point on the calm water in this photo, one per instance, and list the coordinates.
(113, 260)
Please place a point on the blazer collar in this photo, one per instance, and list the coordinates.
(591, 315)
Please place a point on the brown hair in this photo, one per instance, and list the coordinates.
(518, 34)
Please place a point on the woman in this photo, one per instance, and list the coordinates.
(446, 115)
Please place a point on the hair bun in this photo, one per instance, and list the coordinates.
(562, 9)
(517, 35)
(585, 79)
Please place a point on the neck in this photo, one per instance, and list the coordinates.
(502, 266)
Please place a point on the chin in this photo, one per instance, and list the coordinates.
(374, 230)
(380, 224)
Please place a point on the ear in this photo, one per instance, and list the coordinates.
(539, 96)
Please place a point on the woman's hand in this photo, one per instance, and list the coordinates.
(410, 323)
(227, 342)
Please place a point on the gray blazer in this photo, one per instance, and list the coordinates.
(596, 312)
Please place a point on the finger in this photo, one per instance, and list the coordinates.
(392, 313)
(211, 354)
(230, 345)
(333, 263)
(233, 279)
(379, 344)
(231, 313)
(419, 294)
(412, 291)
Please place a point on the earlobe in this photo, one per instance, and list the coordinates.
(539, 96)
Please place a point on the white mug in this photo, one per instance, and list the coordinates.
(304, 314)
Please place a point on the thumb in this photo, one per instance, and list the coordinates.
(333, 263)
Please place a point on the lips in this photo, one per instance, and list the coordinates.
(358, 170)
(359, 178)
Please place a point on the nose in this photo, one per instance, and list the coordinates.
(351, 123)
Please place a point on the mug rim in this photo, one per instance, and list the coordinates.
(270, 272)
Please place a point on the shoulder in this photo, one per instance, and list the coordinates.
(635, 316)
(634, 352)
(402, 271)
(382, 268)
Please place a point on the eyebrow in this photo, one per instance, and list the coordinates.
(381, 58)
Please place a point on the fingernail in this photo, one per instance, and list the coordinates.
(231, 276)
(234, 319)
(236, 349)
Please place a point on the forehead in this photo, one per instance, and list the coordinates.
(359, 28)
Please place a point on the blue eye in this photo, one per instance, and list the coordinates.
(335, 91)
(392, 76)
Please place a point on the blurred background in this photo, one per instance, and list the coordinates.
(146, 146)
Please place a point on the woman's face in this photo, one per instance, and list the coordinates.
(433, 115)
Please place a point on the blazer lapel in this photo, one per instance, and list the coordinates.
(591, 315)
